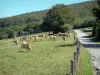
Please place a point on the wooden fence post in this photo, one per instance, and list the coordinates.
(74, 63)
(72, 67)
(74, 37)
(75, 57)
(77, 54)
(78, 49)
(75, 60)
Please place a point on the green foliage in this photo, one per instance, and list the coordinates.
(55, 19)
(66, 27)
(3, 34)
(84, 22)
(59, 15)
(98, 33)
(84, 14)
(97, 30)
(96, 27)
(11, 32)
(33, 27)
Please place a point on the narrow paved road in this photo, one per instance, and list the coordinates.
(92, 47)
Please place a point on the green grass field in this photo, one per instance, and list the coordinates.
(47, 57)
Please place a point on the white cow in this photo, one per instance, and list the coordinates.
(25, 45)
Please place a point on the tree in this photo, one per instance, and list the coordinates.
(58, 16)
(66, 27)
(11, 32)
(32, 27)
(96, 27)
(3, 34)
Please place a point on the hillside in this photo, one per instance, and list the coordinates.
(84, 8)
(20, 24)
(38, 16)
(84, 11)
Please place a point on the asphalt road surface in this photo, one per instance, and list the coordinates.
(92, 47)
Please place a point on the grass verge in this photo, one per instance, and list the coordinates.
(84, 65)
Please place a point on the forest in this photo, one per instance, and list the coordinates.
(59, 18)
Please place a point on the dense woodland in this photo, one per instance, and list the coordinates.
(96, 26)
(59, 18)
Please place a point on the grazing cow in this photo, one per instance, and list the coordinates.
(60, 34)
(44, 36)
(16, 42)
(24, 38)
(64, 38)
(14, 37)
(31, 37)
(36, 38)
(20, 38)
(53, 37)
(25, 45)
(69, 34)
(41, 39)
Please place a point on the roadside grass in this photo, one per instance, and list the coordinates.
(84, 65)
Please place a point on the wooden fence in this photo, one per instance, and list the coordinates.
(74, 62)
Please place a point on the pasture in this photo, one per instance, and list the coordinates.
(47, 57)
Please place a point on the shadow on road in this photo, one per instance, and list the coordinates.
(86, 37)
(90, 30)
(89, 43)
(86, 40)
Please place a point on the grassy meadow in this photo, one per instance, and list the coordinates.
(47, 57)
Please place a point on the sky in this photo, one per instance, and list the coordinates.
(15, 7)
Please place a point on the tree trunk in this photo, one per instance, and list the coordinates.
(94, 31)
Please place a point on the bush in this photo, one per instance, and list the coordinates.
(3, 34)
